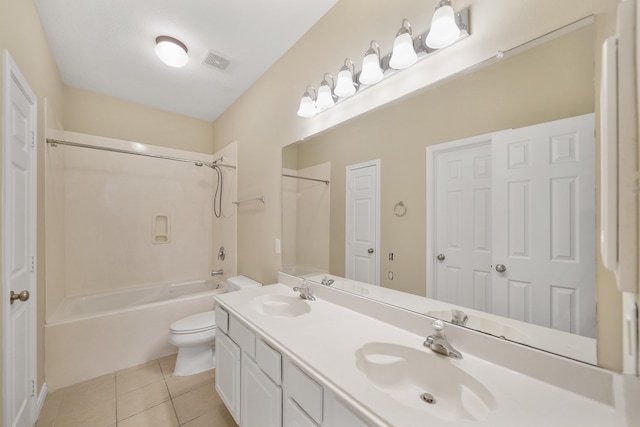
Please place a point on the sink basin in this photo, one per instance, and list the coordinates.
(424, 381)
(486, 325)
(280, 305)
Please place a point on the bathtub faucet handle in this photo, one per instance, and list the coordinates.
(217, 272)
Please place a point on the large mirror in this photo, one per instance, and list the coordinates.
(393, 153)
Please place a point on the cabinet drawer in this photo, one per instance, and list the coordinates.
(305, 392)
(222, 319)
(243, 336)
(269, 360)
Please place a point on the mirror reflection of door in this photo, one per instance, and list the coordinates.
(515, 225)
(362, 224)
(463, 231)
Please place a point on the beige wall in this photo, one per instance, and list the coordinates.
(263, 120)
(22, 35)
(95, 114)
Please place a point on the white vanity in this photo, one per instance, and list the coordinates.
(342, 360)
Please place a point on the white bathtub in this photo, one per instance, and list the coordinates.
(92, 335)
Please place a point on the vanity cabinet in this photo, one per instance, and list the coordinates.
(248, 374)
(309, 404)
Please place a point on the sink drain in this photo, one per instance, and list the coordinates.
(427, 397)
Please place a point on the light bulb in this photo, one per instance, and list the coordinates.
(345, 87)
(371, 71)
(404, 55)
(444, 29)
(325, 98)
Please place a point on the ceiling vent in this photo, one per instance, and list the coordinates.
(216, 61)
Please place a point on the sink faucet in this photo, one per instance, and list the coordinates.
(305, 292)
(326, 281)
(438, 341)
(458, 317)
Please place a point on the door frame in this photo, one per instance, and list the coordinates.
(350, 168)
(12, 72)
(431, 161)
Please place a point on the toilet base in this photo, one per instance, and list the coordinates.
(193, 360)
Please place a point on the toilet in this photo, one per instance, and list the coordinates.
(194, 335)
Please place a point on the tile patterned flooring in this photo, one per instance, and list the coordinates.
(147, 395)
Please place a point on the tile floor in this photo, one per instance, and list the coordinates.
(143, 396)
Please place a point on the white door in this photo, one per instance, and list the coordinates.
(18, 247)
(362, 223)
(463, 232)
(544, 225)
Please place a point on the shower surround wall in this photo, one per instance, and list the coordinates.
(305, 220)
(103, 206)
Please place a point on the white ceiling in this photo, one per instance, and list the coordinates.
(107, 46)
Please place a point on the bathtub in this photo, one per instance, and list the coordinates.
(88, 336)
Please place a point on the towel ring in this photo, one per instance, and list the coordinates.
(400, 209)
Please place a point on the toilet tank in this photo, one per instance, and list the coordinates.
(239, 283)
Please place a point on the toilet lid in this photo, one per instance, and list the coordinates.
(197, 323)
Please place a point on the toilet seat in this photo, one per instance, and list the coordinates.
(200, 322)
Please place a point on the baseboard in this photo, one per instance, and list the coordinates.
(41, 398)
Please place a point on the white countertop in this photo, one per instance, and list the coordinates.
(325, 340)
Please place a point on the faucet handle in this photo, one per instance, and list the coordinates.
(438, 328)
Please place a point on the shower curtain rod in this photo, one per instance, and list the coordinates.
(55, 142)
(304, 177)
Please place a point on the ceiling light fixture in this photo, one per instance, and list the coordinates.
(371, 69)
(171, 51)
(346, 84)
(444, 29)
(325, 93)
(308, 104)
(403, 55)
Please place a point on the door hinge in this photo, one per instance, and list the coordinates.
(33, 388)
(33, 263)
(33, 139)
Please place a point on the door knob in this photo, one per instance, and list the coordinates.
(501, 268)
(22, 296)
(440, 257)
(370, 250)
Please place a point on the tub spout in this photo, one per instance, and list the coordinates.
(217, 272)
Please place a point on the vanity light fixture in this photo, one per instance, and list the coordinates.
(346, 84)
(325, 93)
(403, 54)
(172, 51)
(447, 27)
(371, 70)
(444, 29)
(308, 104)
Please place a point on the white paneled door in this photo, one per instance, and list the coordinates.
(511, 224)
(463, 194)
(18, 247)
(362, 222)
(544, 225)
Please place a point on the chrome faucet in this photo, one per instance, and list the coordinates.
(305, 292)
(458, 317)
(217, 272)
(438, 341)
(326, 281)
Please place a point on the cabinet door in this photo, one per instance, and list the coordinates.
(228, 374)
(294, 416)
(338, 414)
(261, 397)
